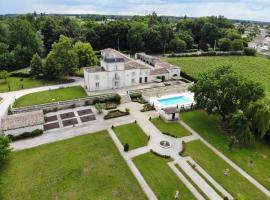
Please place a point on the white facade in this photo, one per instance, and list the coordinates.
(168, 116)
(118, 70)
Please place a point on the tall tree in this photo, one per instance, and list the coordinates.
(241, 127)
(86, 54)
(25, 42)
(135, 37)
(259, 114)
(52, 68)
(65, 55)
(36, 65)
(222, 91)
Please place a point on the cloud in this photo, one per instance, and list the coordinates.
(241, 9)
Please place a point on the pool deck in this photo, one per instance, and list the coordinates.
(158, 105)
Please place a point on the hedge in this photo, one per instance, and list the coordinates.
(25, 135)
(115, 113)
(112, 98)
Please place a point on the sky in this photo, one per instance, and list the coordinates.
(233, 9)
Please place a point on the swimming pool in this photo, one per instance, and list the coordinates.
(175, 100)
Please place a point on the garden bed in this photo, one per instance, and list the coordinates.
(115, 113)
(147, 107)
(137, 97)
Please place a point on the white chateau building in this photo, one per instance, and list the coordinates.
(118, 70)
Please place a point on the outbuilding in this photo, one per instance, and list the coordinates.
(22, 122)
(170, 114)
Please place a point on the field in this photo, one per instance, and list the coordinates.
(50, 96)
(253, 159)
(131, 134)
(17, 83)
(163, 181)
(173, 128)
(253, 68)
(234, 183)
(85, 167)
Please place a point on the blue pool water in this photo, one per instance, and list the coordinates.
(175, 100)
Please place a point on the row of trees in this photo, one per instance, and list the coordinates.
(64, 59)
(23, 36)
(241, 103)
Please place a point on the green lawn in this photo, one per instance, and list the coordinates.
(163, 181)
(17, 83)
(253, 159)
(50, 96)
(253, 68)
(131, 134)
(85, 167)
(173, 128)
(234, 183)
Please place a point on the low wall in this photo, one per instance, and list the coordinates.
(61, 105)
(19, 131)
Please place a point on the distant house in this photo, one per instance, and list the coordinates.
(23, 122)
(118, 70)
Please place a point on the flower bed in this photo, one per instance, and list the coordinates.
(115, 113)
(137, 97)
(147, 107)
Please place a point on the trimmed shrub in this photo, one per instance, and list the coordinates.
(115, 113)
(157, 154)
(147, 107)
(126, 147)
(25, 135)
(135, 95)
(20, 74)
(169, 134)
(249, 51)
(182, 152)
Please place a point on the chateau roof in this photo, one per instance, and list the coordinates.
(22, 120)
(158, 71)
(135, 65)
(170, 110)
(166, 65)
(111, 55)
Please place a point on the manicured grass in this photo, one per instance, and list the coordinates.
(234, 183)
(50, 96)
(253, 159)
(173, 128)
(17, 83)
(131, 134)
(254, 68)
(162, 180)
(85, 167)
